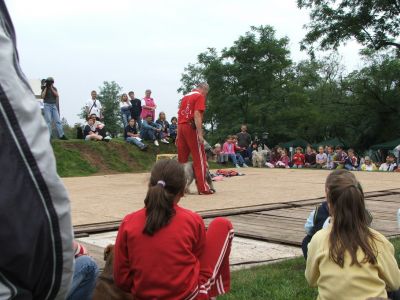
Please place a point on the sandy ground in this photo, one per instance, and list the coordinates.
(110, 197)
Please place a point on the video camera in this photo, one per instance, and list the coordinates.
(46, 83)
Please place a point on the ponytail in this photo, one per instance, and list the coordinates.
(167, 181)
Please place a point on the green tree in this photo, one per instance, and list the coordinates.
(373, 23)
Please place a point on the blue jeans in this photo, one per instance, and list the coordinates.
(150, 134)
(236, 159)
(134, 141)
(51, 114)
(126, 116)
(84, 279)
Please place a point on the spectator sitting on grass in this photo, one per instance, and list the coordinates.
(310, 157)
(275, 157)
(229, 150)
(100, 127)
(164, 133)
(351, 162)
(340, 158)
(368, 165)
(389, 165)
(284, 160)
(298, 159)
(90, 131)
(125, 107)
(321, 158)
(150, 131)
(331, 156)
(239, 150)
(347, 259)
(132, 136)
(173, 129)
(85, 275)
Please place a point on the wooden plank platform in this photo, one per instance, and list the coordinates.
(285, 223)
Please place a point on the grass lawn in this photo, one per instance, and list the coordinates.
(283, 280)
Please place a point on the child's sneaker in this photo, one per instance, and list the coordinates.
(156, 143)
(237, 166)
(245, 166)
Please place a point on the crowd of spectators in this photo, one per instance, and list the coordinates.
(138, 119)
(239, 149)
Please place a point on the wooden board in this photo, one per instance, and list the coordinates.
(284, 223)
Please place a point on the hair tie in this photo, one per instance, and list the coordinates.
(161, 182)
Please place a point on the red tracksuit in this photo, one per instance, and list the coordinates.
(188, 142)
(180, 261)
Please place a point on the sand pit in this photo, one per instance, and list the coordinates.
(110, 197)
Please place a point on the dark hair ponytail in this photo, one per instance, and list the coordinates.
(167, 181)
(350, 222)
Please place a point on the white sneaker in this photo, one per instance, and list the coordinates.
(164, 141)
(237, 166)
(245, 166)
(108, 138)
(156, 143)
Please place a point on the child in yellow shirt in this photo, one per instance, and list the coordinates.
(348, 260)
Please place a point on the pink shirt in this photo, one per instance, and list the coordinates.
(228, 148)
(145, 112)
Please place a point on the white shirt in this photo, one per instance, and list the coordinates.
(124, 104)
(95, 108)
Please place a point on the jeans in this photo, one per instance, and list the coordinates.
(51, 114)
(149, 134)
(236, 159)
(126, 116)
(84, 279)
(134, 141)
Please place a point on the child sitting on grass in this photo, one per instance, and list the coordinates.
(173, 129)
(330, 165)
(310, 157)
(349, 260)
(298, 158)
(340, 157)
(284, 160)
(163, 251)
(351, 161)
(90, 131)
(321, 158)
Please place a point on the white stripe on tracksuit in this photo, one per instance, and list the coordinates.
(207, 286)
(203, 169)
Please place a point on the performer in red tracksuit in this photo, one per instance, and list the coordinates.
(190, 134)
(164, 252)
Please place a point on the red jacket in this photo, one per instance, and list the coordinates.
(298, 159)
(165, 265)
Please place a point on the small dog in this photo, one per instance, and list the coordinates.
(189, 173)
(259, 158)
(105, 288)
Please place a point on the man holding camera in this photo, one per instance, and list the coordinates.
(51, 107)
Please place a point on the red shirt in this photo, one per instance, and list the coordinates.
(191, 102)
(165, 265)
(298, 159)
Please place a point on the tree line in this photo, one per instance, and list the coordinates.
(255, 82)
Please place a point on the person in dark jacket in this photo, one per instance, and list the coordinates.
(136, 109)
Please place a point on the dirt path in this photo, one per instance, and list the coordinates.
(111, 197)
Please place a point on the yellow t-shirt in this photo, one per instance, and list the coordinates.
(351, 282)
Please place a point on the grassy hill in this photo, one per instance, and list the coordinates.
(80, 158)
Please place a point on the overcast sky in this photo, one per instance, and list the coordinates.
(139, 44)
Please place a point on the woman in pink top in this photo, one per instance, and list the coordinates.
(148, 106)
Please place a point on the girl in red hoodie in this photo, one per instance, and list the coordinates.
(298, 158)
(163, 251)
